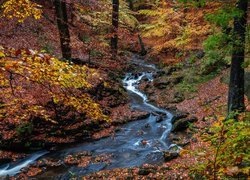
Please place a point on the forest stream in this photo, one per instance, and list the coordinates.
(135, 144)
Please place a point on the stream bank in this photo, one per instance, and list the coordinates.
(195, 104)
(134, 144)
(211, 91)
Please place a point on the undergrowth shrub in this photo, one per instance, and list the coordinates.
(228, 151)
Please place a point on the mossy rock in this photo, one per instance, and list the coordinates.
(182, 124)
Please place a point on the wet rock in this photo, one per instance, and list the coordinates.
(183, 123)
(183, 143)
(144, 172)
(174, 148)
(169, 155)
(172, 109)
(159, 119)
(159, 113)
(144, 142)
(155, 158)
(139, 117)
(147, 125)
(140, 132)
(180, 139)
(137, 75)
(179, 115)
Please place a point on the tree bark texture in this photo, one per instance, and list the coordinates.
(236, 85)
(114, 28)
(62, 24)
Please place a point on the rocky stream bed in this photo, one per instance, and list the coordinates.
(144, 141)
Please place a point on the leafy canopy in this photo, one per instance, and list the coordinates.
(177, 25)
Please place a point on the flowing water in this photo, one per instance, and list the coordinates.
(136, 143)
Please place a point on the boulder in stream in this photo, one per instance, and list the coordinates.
(179, 115)
(159, 119)
(144, 172)
(169, 155)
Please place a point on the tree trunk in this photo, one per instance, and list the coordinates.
(236, 85)
(114, 29)
(62, 24)
(143, 50)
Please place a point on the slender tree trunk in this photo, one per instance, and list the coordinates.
(114, 29)
(236, 86)
(62, 23)
(143, 50)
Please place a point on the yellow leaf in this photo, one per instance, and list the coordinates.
(106, 84)
(183, 152)
(221, 118)
(2, 54)
(217, 124)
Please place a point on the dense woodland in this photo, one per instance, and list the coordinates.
(65, 69)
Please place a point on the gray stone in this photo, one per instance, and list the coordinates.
(159, 119)
(144, 172)
(169, 155)
(182, 124)
(179, 115)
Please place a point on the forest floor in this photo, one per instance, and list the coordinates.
(209, 100)
(42, 35)
(207, 103)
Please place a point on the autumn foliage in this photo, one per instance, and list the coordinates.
(177, 26)
(46, 101)
(21, 9)
(227, 153)
(36, 85)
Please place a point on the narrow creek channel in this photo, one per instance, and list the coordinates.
(136, 143)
